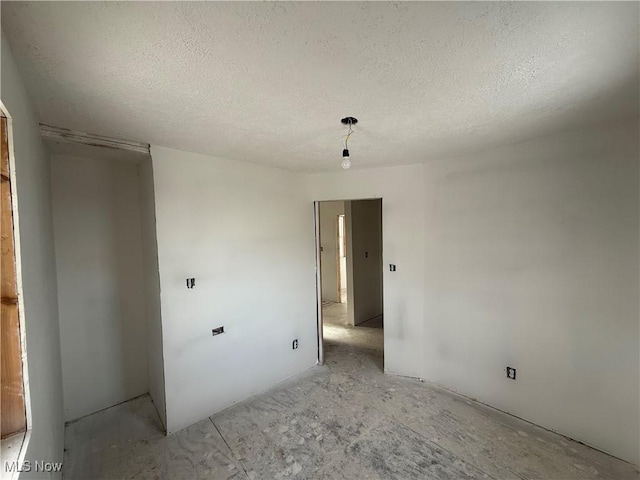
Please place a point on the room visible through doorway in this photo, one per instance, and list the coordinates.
(350, 280)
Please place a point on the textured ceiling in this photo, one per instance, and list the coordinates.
(268, 82)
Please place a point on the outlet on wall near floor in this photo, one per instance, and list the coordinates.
(295, 344)
(511, 373)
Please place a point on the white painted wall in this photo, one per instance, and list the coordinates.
(328, 241)
(366, 266)
(46, 439)
(246, 233)
(531, 261)
(526, 256)
(155, 355)
(97, 227)
(401, 190)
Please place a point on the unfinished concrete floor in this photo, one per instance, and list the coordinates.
(364, 340)
(345, 420)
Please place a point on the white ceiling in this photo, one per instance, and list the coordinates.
(269, 82)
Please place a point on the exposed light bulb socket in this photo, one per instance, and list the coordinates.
(345, 153)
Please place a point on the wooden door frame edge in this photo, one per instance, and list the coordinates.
(18, 259)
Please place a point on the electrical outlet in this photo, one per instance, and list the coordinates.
(294, 345)
(511, 373)
(392, 267)
(191, 282)
(217, 331)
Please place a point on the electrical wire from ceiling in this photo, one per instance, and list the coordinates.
(349, 121)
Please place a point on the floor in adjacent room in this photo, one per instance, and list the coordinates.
(346, 419)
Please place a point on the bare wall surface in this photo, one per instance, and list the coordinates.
(38, 271)
(366, 252)
(401, 190)
(246, 234)
(96, 212)
(531, 261)
(329, 212)
(524, 256)
(152, 287)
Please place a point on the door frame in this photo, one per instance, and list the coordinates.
(20, 454)
(339, 246)
(316, 215)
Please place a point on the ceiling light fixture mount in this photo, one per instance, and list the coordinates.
(350, 122)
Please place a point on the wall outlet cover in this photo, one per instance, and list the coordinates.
(294, 345)
(217, 331)
(511, 373)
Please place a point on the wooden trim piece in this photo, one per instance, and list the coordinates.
(4, 165)
(66, 135)
(8, 287)
(14, 417)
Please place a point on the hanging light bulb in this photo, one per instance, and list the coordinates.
(346, 162)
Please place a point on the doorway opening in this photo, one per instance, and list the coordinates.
(350, 281)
